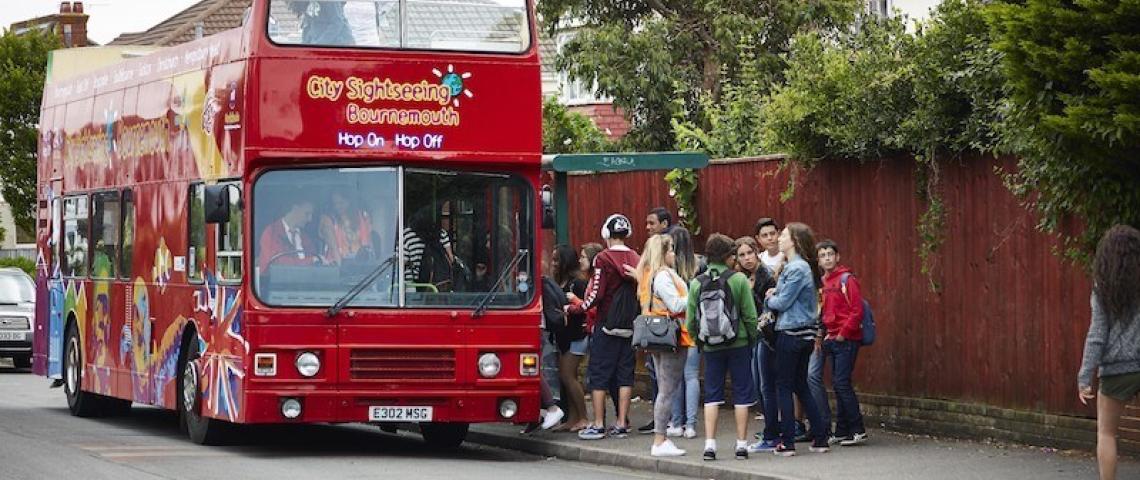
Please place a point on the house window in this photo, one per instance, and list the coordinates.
(575, 91)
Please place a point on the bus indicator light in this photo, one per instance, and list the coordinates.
(528, 364)
(265, 364)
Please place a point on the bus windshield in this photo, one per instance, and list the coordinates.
(455, 25)
(450, 240)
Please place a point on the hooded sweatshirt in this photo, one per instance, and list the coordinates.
(842, 305)
(609, 273)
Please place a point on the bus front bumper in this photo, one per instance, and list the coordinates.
(346, 406)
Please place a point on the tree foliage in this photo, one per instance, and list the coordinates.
(23, 62)
(658, 58)
(564, 131)
(1073, 73)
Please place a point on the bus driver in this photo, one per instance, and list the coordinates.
(285, 241)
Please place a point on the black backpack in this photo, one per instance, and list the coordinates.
(623, 308)
(434, 267)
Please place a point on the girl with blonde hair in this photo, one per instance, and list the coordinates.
(662, 292)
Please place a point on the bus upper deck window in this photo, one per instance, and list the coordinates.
(455, 25)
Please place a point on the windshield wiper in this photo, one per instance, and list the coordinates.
(359, 287)
(490, 295)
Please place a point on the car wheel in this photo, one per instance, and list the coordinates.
(22, 361)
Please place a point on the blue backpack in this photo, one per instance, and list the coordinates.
(868, 316)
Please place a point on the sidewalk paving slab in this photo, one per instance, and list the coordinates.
(887, 455)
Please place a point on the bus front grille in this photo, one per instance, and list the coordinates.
(401, 364)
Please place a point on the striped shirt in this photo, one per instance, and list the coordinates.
(413, 250)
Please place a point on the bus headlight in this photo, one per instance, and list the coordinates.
(528, 364)
(308, 364)
(489, 365)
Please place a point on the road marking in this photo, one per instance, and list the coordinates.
(162, 454)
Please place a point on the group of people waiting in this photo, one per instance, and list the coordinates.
(766, 310)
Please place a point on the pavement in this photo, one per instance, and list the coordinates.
(887, 455)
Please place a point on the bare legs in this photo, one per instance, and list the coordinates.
(1108, 411)
(572, 388)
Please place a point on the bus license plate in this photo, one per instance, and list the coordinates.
(399, 414)
(12, 336)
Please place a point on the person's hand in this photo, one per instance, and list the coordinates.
(1085, 394)
(769, 293)
(818, 344)
(630, 271)
(840, 339)
(570, 297)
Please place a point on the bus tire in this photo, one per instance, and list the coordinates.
(444, 436)
(201, 430)
(80, 403)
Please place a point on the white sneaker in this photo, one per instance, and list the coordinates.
(674, 431)
(552, 417)
(666, 449)
(690, 432)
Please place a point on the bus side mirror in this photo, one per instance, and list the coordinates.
(217, 203)
(547, 197)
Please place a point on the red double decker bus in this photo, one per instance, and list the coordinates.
(326, 215)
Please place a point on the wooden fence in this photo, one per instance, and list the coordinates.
(1005, 327)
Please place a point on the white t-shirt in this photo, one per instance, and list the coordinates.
(772, 261)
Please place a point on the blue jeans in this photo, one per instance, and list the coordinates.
(848, 417)
(818, 392)
(685, 407)
(792, 357)
(764, 362)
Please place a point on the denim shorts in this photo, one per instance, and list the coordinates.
(735, 362)
(580, 347)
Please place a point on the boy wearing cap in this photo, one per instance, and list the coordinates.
(611, 356)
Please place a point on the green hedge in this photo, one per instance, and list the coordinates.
(25, 264)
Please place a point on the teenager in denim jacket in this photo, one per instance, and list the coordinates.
(796, 330)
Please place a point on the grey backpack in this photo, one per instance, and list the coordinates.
(717, 314)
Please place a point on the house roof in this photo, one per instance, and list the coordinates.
(214, 16)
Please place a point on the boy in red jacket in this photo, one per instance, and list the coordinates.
(843, 318)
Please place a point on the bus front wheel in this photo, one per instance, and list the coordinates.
(444, 436)
(80, 403)
(202, 430)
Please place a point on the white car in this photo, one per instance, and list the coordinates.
(17, 306)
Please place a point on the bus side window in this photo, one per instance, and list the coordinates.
(75, 236)
(128, 234)
(105, 234)
(196, 249)
(228, 257)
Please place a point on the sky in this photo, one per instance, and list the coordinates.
(108, 18)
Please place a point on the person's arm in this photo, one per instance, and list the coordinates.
(742, 293)
(1094, 345)
(597, 284)
(691, 310)
(787, 289)
(666, 289)
(851, 315)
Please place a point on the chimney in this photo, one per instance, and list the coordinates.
(72, 24)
